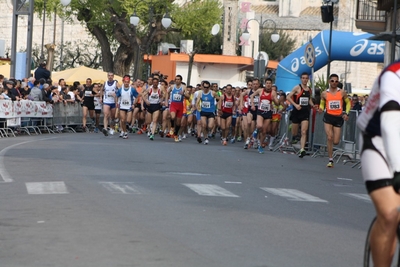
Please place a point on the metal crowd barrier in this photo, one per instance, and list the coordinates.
(285, 135)
(68, 117)
(348, 140)
(318, 143)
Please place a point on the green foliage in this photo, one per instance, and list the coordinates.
(196, 19)
(321, 83)
(213, 46)
(278, 50)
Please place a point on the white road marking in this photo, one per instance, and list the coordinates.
(120, 187)
(362, 197)
(293, 194)
(346, 179)
(210, 190)
(46, 188)
(231, 182)
(190, 173)
(4, 175)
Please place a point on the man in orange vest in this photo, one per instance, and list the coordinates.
(333, 100)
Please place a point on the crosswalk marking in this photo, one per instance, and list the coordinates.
(362, 197)
(120, 187)
(46, 188)
(210, 190)
(293, 194)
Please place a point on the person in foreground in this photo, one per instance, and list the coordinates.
(380, 145)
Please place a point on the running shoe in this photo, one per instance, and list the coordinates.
(105, 132)
(206, 141)
(255, 134)
(233, 140)
(246, 145)
(121, 134)
(260, 150)
(148, 134)
(330, 164)
(239, 139)
(161, 134)
(224, 142)
(171, 132)
(125, 136)
(176, 138)
(184, 136)
(140, 131)
(96, 130)
(302, 153)
(111, 131)
(179, 138)
(271, 148)
(199, 140)
(151, 137)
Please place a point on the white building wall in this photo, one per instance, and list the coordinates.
(72, 31)
(221, 74)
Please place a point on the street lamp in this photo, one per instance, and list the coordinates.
(166, 22)
(274, 38)
(64, 3)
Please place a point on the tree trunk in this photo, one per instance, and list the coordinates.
(137, 67)
(191, 60)
(100, 34)
(123, 60)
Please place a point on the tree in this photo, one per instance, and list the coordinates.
(108, 22)
(199, 28)
(278, 50)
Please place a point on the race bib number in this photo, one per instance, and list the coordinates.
(125, 102)
(88, 93)
(265, 105)
(256, 100)
(110, 95)
(155, 96)
(334, 105)
(228, 104)
(303, 101)
(176, 97)
(206, 104)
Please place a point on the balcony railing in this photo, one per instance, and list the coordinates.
(369, 18)
(387, 5)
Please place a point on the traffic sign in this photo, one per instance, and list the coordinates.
(309, 55)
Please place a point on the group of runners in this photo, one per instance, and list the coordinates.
(252, 114)
(176, 110)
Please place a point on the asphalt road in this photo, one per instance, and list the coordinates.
(89, 200)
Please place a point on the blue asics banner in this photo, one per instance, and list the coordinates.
(346, 46)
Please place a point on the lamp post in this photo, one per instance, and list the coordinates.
(64, 3)
(330, 19)
(274, 38)
(41, 59)
(134, 19)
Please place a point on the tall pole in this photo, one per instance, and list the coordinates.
(14, 39)
(393, 43)
(328, 69)
(44, 23)
(62, 45)
(29, 40)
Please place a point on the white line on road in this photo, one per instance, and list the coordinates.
(46, 188)
(120, 187)
(346, 179)
(362, 197)
(4, 175)
(293, 194)
(231, 182)
(210, 190)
